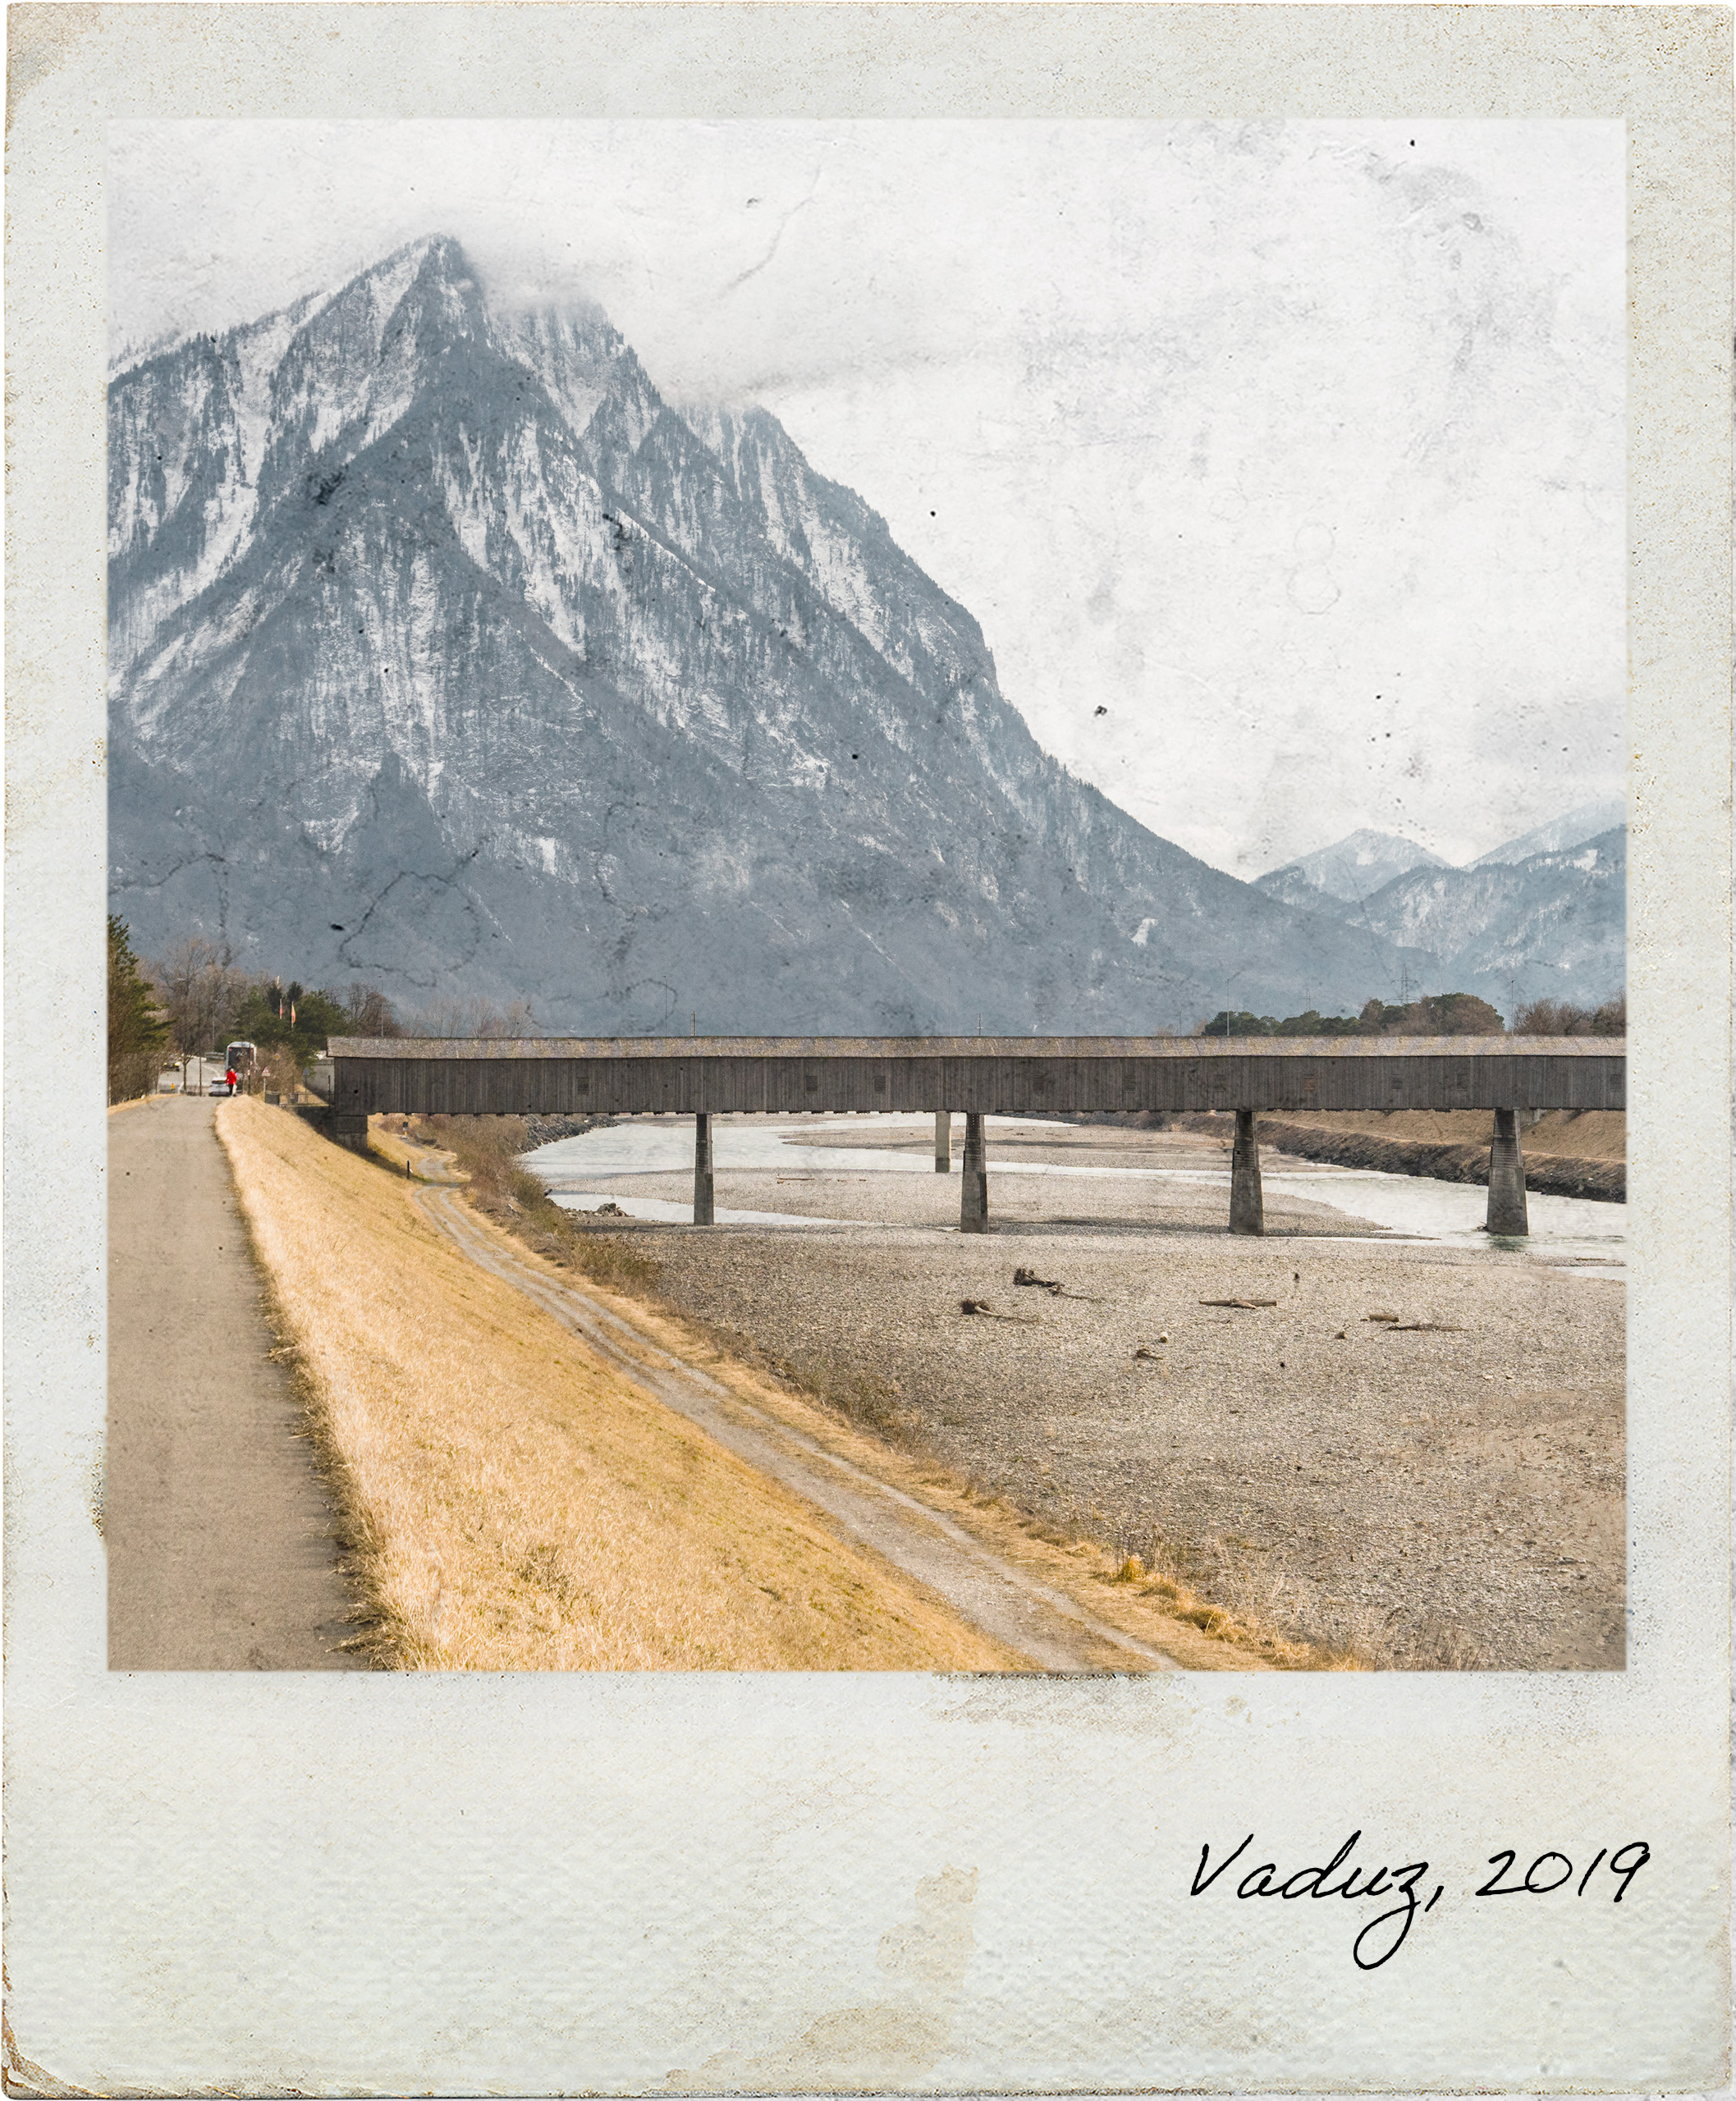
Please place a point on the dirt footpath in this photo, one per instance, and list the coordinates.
(221, 1549)
(1036, 1623)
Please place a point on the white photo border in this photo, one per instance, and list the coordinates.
(541, 1885)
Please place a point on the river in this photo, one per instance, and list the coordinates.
(586, 1172)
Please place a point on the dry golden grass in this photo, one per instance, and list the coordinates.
(1158, 1606)
(512, 1503)
(831, 1402)
(485, 1151)
(1155, 1605)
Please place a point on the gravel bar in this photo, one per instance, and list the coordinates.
(1440, 1489)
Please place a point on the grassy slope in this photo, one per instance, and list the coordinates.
(514, 1503)
(835, 1405)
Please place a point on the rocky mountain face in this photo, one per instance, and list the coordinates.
(444, 653)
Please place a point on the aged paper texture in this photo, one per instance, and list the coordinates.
(571, 1882)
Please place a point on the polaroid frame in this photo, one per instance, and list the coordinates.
(555, 1884)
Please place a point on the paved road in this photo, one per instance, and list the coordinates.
(219, 1531)
(1054, 1630)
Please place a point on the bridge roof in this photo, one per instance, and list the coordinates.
(1168, 1047)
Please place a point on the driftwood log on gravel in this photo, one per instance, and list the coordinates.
(981, 1307)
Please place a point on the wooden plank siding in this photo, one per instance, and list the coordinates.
(1005, 1076)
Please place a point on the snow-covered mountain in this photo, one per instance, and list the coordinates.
(1590, 821)
(1543, 918)
(444, 652)
(1553, 926)
(1347, 872)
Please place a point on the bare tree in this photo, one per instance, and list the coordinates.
(461, 1018)
(1561, 1017)
(200, 988)
(370, 1012)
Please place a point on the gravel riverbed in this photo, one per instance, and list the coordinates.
(1444, 1489)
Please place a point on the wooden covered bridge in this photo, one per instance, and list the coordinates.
(702, 1076)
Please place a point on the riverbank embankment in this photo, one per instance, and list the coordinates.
(511, 1501)
(1568, 1153)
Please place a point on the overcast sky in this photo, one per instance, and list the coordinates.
(1282, 464)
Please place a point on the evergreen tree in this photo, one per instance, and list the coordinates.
(137, 1029)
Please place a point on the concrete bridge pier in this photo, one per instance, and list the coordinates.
(347, 1130)
(704, 1212)
(943, 1141)
(973, 1203)
(1506, 1213)
(1247, 1202)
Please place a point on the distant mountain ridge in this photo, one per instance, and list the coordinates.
(1554, 924)
(444, 653)
(1542, 917)
(1590, 821)
(1347, 872)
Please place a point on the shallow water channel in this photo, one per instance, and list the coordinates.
(583, 1173)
